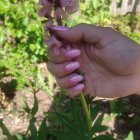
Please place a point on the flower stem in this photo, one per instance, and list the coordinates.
(86, 110)
(82, 98)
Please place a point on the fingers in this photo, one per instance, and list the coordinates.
(69, 81)
(83, 32)
(64, 55)
(59, 54)
(52, 42)
(61, 70)
(75, 90)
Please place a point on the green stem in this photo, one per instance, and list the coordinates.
(86, 110)
(83, 100)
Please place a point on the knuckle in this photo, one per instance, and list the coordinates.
(64, 82)
(109, 29)
(49, 66)
(82, 25)
(50, 52)
(60, 82)
(57, 69)
(72, 93)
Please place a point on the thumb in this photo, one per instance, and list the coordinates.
(82, 32)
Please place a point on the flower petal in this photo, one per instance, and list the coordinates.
(58, 13)
(71, 6)
(43, 12)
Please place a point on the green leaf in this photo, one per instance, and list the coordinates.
(66, 122)
(130, 136)
(6, 131)
(33, 129)
(78, 118)
(42, 132)
(95, 4)
(25, 106)
(41, 82)
(98, 129)
(65, 135)
(20, 137)
(99, 120)
(103, 137)
(94, 112)
(4, 6)
(35, 106)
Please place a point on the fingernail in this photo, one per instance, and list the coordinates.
(60, 28)
(79, 87)
(76, 79)
(72, 66)
(73, 53)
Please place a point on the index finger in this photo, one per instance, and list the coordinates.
(66, 54)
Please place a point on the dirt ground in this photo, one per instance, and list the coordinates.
(13, 114)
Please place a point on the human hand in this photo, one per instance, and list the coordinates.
(109, 60)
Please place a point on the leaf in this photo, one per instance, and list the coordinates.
(95, 4)
(66, 122)
(41, 82)
(69, 128)
(42, 132)
(130, 136)
(64, 119)
(20, 137)
(65, 135)
(99, 120)
(98, 129)
(74, 128)
(77, 117)
(94, 112)
(25, 106)
(6, 131)
(33, 129)
(103, 137)
(35, 107)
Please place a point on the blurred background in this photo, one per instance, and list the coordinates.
(23, 58)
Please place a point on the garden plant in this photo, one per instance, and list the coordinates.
(22, 48)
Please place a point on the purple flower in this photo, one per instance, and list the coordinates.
(46, 10)
(71, 6)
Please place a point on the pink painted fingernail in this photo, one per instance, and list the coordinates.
(79, 87)
(72, 66)
(60, 28)
(76, 79)
(73, 53)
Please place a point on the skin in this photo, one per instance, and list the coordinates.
(109, 60)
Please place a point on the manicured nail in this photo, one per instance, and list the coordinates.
(79, 87)
(73, 53)
(60, 28)
(76, 79)
(72, 66)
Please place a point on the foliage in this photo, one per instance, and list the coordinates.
(72, 124)
(98, 12)
(130, 136)
(21, 41)
(22, 49)
(40, 134)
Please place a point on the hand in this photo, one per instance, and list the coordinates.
(109, 60)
